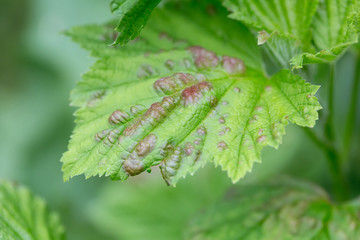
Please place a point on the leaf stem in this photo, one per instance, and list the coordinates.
(316, 139)
(333, 158)
(329, 130)
(328, 145)
(340, 185)
(350, 121)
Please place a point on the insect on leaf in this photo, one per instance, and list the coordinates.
(164, 101)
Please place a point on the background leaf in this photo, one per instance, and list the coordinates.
(278, 210)
(332, 25)
(291, 18)
(336, 26)
(25, 216)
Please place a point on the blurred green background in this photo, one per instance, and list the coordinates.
(39, 67)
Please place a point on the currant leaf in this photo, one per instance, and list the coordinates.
(336, 26)
(319, 30)
(278, 210)
(25, 216)
(278, 50)
(133, 16)
(163, 101)
(292, 18)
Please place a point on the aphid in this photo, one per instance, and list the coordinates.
(101, 135)
(194, 93)
(187, 63)
(135, 110)
(145, 71)
(236, 89)
(133, 166)
(166, 148)
(222, 145)
(156, 111)
(146, 145)
(233, 65)
(261, 138)
(201, 130)
(201, 77)
(189, 149)
(118, 117)
(96, 96)
(204, 58)
(168, 102)
(221, 120)
(173, 83)
(171, 164)
(169, 64)
(227, 129)
(111, 137)
(260, 131)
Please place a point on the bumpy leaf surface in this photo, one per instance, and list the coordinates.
(287, 210)
(133, 16)
(332, 25)
(164, 101)
(24, 216)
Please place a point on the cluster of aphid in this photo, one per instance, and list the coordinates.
(205, 59)
(109, 136)
(190, 151)
(183, 88)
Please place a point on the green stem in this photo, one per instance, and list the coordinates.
(339, 183)
(329, 129)
(317, 140)
(350, 121)
(328, 145)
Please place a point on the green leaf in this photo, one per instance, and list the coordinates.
(332, 25)
(133, 16)
(292, 18)
(25, 216)
(278, 50)
(163, 101)
(282, 25)
(336, 26)
(278, 210)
